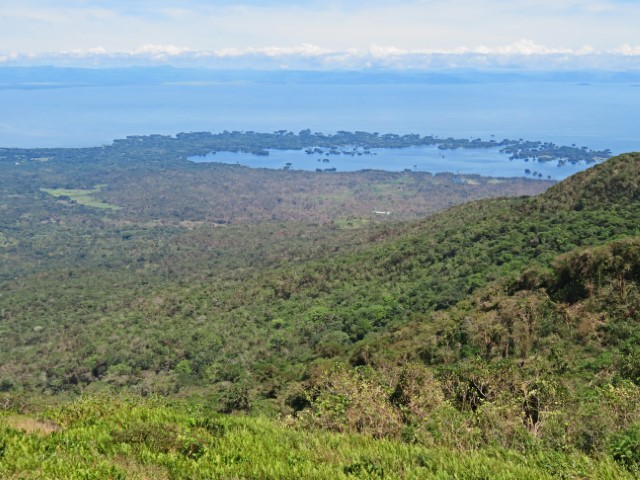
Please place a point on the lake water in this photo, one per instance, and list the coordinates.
(597, 115)
(419, 159)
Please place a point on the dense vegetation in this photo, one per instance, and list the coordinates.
(505, 327)
(97, 207)
(119, 439)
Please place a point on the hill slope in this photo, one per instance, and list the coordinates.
(508, 322)
(182, 303)
(615, 182)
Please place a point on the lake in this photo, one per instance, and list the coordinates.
(599, 116)
(419, 159)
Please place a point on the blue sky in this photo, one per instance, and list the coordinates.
(172, 29)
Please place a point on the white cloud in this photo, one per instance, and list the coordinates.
(627, 50)
(524, 53)
(160, 51)
(82, 52)
(521, 47)
(304, 50)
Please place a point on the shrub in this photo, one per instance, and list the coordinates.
(624, 447)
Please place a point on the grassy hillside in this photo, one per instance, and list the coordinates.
(110, 438)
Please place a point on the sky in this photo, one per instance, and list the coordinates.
(323, 34)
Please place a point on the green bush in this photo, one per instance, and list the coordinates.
(624, 447)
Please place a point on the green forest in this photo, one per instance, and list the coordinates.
(166, 319)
